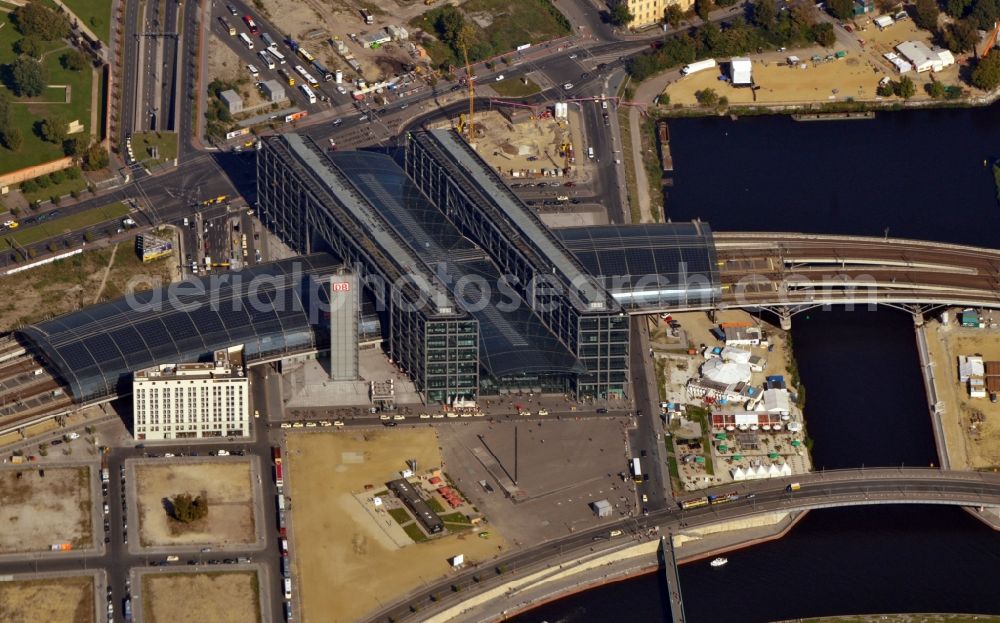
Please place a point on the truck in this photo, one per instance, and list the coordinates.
(128, 611)
(279, 480)
(697, 66)
(281, 502)
(288, 588)
(636, 470)
(323, 71)
(105, 475)
(793, 487)
(268, 40)
(368, 17)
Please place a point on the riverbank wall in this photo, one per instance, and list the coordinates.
(587, 572)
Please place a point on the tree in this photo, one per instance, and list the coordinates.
(960, 36)
(74, 60)
(620, 15)
(957, 8)
(53, 128)
(764, 13)
(449, 24)
(926, 14)
(985, 13)
(37, 19)
(30, 46)
(707, 97)
(886, 89)
(986, 75)
(703, 8)
(186, 509)
(12, 138)
(674, 15)
(28, 186)
(75, 146)
(905, 88)
(824, 34)
(27, 77)
(936, 90)
(96, 158)
(841, 9)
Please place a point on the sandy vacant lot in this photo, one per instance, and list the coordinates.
(224, 597)
(36, 511)
(344, 564)
(226, 483)
(850, 77)
(53, 600)
(976, 448)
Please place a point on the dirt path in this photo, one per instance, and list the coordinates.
(641, 183)
(107, 271)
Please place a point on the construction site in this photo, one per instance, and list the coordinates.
(523, 142)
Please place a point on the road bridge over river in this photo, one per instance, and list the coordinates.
(827, 489)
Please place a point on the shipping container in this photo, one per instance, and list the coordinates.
(698, 66)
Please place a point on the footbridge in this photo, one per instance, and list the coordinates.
(853, 487)
(789, 273)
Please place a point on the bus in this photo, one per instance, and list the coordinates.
(306, 55)
(305, 74)
(273, 51)
(308, 93)
(266, 59)
(246, 40)
(252, 25)
(289, 78)
(636, 470)
(226, 26)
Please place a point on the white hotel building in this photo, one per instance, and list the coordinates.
(193, 400)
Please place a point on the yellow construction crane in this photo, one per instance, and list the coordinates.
(472, 95)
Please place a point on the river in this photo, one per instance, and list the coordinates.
(921, 175)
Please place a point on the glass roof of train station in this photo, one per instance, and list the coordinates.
(271, 309)
(650, 266)
(512, 338)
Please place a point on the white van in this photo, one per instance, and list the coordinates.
(246, 40)
(590, 153)
(266, 59)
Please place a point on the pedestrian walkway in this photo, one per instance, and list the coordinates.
(672, 578)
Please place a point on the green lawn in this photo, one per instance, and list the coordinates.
(516, 88)
(514, 23)
(95, 14)
(26, 112)
(57, 190)
(166, 142)
(414, 532)
(455, 518)
(34, 233)
(400, 515)
(435, 505)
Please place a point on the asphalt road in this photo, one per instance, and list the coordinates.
(850, 487)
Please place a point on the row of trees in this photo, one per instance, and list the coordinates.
(765, 27)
